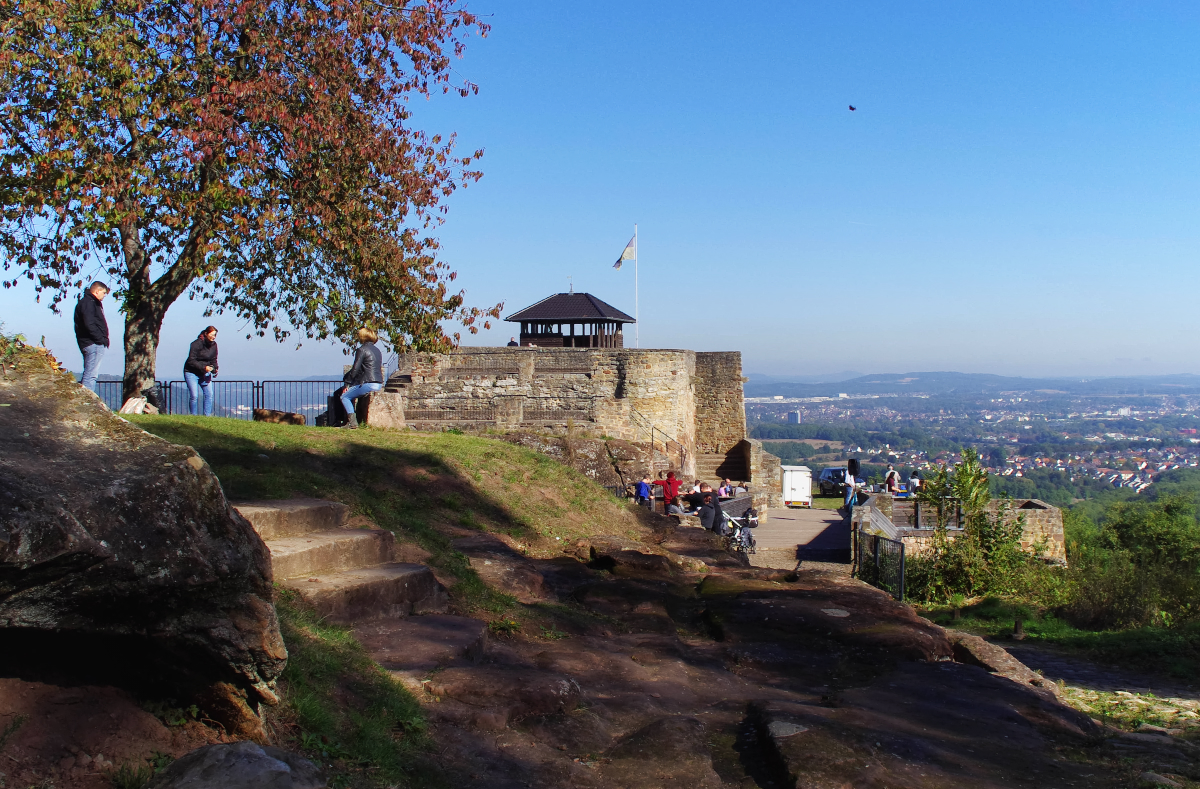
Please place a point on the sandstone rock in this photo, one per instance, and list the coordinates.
(241, 765)
(513, 692)
(669, 753)
(502, 568)
(974, 651)
(612, 463)
(386, 410)
(119, 546)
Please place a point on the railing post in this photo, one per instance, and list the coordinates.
(902, 572)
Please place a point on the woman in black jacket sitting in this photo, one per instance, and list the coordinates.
(365, 376)
(198, 370)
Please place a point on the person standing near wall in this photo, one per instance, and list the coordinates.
(199, 369)
(91, 331)
(365, 376)
(644, 492)
(670, 486)
(851, 484)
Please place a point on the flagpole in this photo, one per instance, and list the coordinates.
(637, 329)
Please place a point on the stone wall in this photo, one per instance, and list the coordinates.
(635, 395)
(720, 410)
(766, 475)
(1043, 527)
(1042, 532)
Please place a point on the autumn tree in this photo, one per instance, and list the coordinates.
(255, 154)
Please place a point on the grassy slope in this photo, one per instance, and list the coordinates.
(1156, 650)
(339, 706)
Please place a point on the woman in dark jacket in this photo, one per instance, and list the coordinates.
(365, 376)
(198, 370)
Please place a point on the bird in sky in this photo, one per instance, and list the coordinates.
(853, 108)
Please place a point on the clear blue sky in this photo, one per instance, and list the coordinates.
(1017, 192)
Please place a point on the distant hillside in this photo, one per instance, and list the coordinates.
(829, 378)
(945, 383)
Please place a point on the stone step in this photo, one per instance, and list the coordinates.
(391, 590)
(416, 645)
(713, 468)
(293, 517)
(329, 552)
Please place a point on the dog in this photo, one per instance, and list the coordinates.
(278, 417)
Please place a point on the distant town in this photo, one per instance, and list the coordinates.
(1043, 441)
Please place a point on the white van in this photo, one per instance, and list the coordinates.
(797, 486)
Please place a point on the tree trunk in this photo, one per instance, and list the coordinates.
(146, 304)
(142, 327)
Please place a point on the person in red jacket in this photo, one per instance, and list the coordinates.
(670, 486)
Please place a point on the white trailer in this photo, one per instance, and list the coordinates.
(797, 486)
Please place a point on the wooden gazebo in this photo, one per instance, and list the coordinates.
(571, 320)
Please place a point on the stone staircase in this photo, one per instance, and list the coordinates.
(347, 573)
(712, 468)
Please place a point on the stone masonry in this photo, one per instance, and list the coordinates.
(1042, 531)
(685, 403)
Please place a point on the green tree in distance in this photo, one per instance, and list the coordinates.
(254, 154)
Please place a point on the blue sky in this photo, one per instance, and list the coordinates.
(1016, 193)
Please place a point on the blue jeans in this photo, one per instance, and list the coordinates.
(92, 354)
(357, 391)
(195, 384)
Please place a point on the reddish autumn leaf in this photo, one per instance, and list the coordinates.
(256, 154)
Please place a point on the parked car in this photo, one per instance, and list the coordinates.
(832, 481)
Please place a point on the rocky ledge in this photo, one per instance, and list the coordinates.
(120, 558)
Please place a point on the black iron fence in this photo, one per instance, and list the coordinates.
(235, 399)
(880, 562)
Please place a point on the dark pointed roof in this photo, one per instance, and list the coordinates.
(571, 307)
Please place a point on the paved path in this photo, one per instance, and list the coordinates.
(807, 534)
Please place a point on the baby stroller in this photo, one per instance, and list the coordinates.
(738, 533)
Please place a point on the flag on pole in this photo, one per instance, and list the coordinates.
(629, 253)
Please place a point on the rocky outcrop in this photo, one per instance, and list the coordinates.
(608, 462)
(240, 765)
(119, 554)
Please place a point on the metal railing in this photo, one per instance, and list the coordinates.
(235, 399)
(880, 562)
(670, 447)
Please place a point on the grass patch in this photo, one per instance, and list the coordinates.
(827, 502)
(420, 486)
(1125, 710)
(1175, 651)
(341, 709)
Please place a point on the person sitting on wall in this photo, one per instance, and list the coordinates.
(675, 507)
(891, 481)
(726, 489)
(696, 486)
(365, 376)
(914, 483)
(512, 342)
(710, 514)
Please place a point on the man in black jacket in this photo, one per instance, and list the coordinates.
(91, 331)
